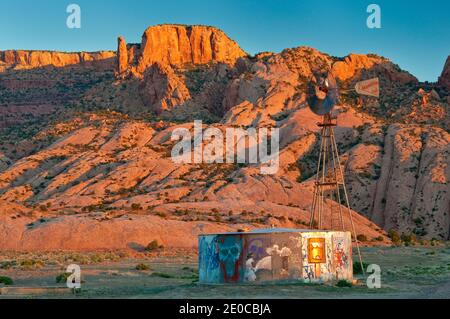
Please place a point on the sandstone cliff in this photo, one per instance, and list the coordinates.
(122, 56)
(179, 45)
(162, 89)
(354, 65)
(21, 59)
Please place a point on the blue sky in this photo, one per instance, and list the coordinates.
(414, 34)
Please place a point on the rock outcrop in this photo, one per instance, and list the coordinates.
(353, 64)
(118, 178)
(122, 56)
(179, 45)
(162, 89)
(399, 177)
(444, 79)
(21, 59)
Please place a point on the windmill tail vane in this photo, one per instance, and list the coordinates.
(369, 87)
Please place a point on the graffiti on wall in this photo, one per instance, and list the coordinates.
(230, 251)
(208, 259)
(317, 256)
(273, 263)
(342, 256)
(251, 257)
(272, 256)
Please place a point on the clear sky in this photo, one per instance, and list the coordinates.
(414, 34)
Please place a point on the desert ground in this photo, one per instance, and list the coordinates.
(407, 272)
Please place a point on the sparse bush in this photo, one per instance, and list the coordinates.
(6, 280)
(343, 283)
(357, 267)
(97, 258)
(7, 264)
(409, 239)
(361, 237)
(31, 264)
(365, 175)
(153, 245)
(136, 206)
(161, 214)
(394, 236)
(142, 267)
(162, 275)
(62, 278)
(379, 238)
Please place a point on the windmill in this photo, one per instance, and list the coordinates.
(329, 182)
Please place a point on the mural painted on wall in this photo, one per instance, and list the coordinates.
(319, 260)
(230, 252)
(276, 263)
(273, 255)
(257, 260)
(209, 259)
(342, 256)
(257, 246)
(316, 251)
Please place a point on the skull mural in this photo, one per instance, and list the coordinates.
(229, 257)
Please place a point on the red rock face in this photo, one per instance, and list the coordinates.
(162, 89)
(122, 56)
(178, 45)
(444, 79)
(33, 59)
(353, 64)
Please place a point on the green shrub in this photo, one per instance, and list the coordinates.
(153, 245)
(97, 258)
(379, 238)
(136, 206)
(142, 267)
(62, 278)
(361, 237)
(409, 239)
(7, 264)
(31, 264)
(161, 214)
(394, 236)
(343, 283)
(6, 280)
(162, 275)
(357, 267)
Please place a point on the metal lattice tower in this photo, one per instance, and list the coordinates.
(329, 186)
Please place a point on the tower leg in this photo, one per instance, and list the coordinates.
(333, 140)
(330, 180)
